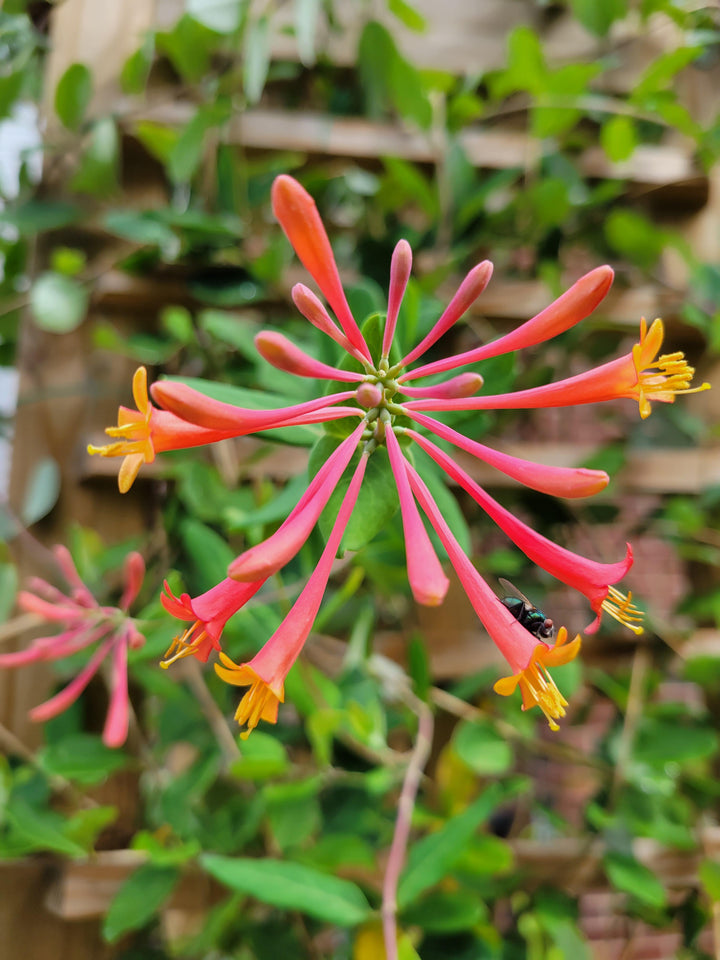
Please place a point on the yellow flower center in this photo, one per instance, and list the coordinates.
(185, 645)
(622, 609)
(260, 702)
(537, 687)
(134, 430)
(664, 378)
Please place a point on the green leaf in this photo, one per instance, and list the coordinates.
(627, 874)
(709, 872)
(97, 173)
(618, 138)
(81, 757)
(8, 589)
(73, 94)
(58, 303)
(377, 501)
(157, 139)
(293, 811)
(432, 858)
(662, 71)
(208, 552)
(42, 491)
(446, 911)
(482, 748)
(188, 46)
(634, 236)
(139, 899)
(136, 69)
(407, 15)
(257, 58)
(144, 228)
(86, 825)
(661, 742)
(526, 68)
(35, 216)
(263, 757)
(599, 17)
(67, 260)
(185, 156)
(222, 16)
(40, 829)
(291, 886)
(306, 20)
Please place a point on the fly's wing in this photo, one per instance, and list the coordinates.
(512, 591)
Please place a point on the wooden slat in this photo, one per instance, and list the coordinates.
(493, 149)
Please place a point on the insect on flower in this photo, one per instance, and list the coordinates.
(526, 613)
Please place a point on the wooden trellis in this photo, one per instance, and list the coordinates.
(69, 391)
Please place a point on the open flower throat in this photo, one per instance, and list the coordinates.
(384, 407)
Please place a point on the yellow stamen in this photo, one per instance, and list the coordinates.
(260, 702)
(539, 687)
(134, 428)
(662, 379)
(183, 646)
(622, 609)
(536, 685)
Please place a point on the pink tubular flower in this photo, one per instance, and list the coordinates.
(209, 613)
(528, 657)
(379, 397)
(588, 576)
(84, 623)
(265, 673)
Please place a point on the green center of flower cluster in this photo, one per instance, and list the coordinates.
(381, 411)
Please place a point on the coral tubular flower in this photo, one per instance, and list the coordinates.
(425, 574)
(381, 394)
(265, 674)
(147, 431)
(536, 685)
(209, 612)
(637, 376)
(588, 576)
(573, 306)
(569, 482)
(232, 421)
(298, 216)
(526, 655)
(269, 556)
(85, 623)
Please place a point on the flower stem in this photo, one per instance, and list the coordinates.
(406, 804)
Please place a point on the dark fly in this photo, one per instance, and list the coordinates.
(526, 613)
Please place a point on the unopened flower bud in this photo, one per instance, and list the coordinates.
(369, 395)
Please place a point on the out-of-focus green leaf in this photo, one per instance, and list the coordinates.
(136, 69)
(431, 858)
(446, 911)
(619, 138)
(292, 886)
(408, 15)
(263, 758)
(634, 236)
(138, 899)
(599, 17)
(482, 748)
(662, 742)
(98, 170)
(185, 156)
(293, 811)
(306, 20)
(73, 94)
(81, 757)
(627, 874)
(40, 829)
(222, 16)
(58, 303)
(257, 58)
(42, 491)
(208, 552)
(709, 872)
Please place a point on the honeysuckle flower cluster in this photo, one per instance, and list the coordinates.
(382, 397)
(84, 623)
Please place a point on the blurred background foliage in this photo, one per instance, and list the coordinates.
(603, 838)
